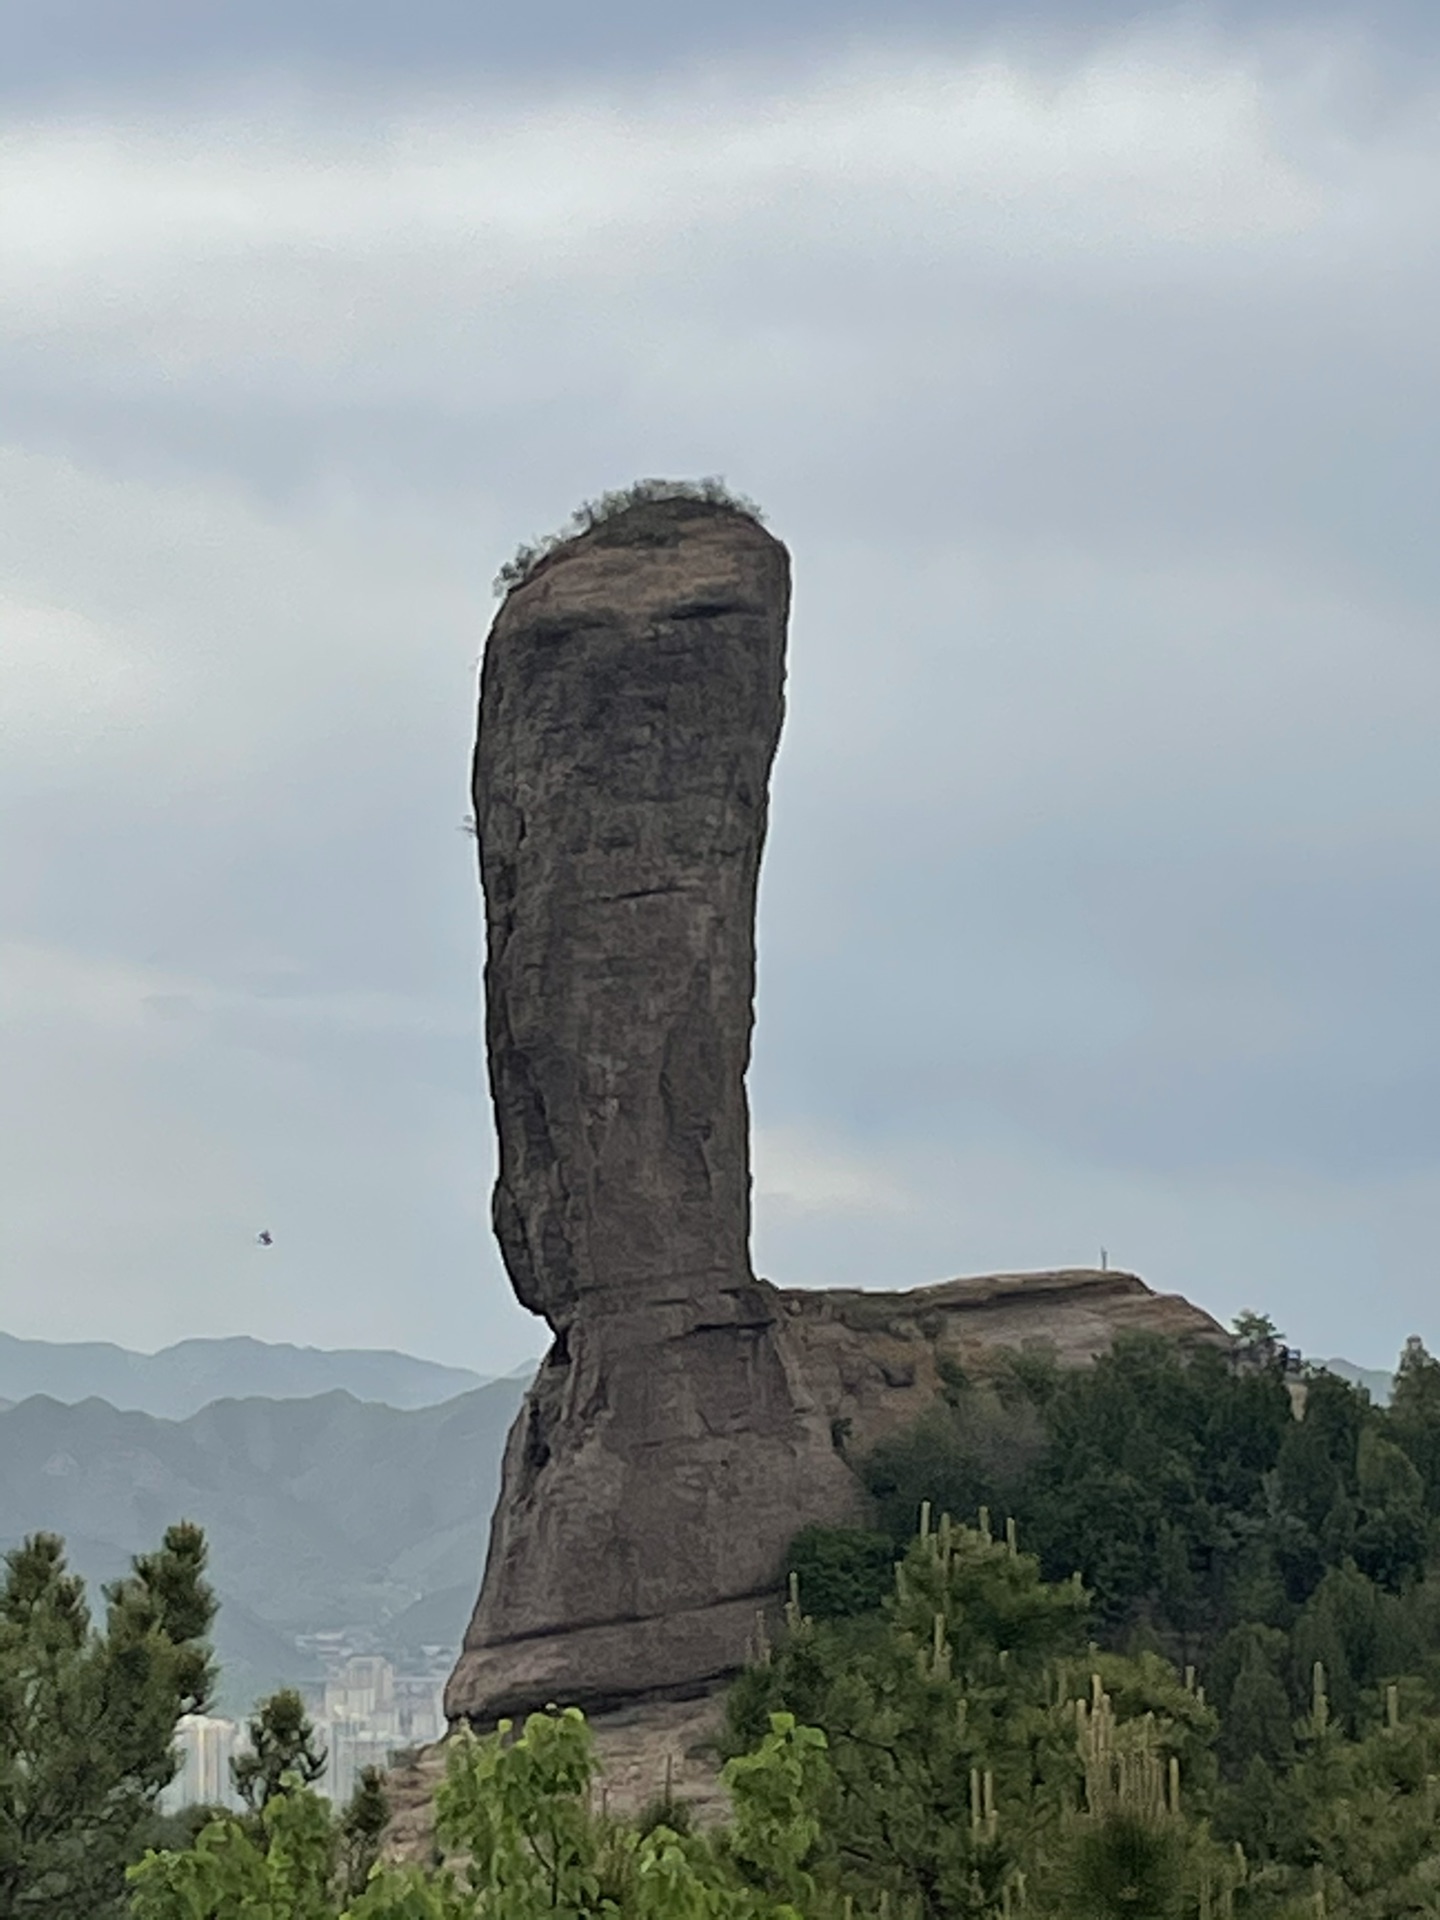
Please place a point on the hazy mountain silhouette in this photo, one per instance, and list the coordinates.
(1377, 1381)
(179, 1380)
(321, 1513)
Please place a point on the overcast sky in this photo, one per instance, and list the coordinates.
(1085, 358)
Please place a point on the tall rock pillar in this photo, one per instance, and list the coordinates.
(630, 705)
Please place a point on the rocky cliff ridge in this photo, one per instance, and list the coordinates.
(630, 706)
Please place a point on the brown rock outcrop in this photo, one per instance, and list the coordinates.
(630, 706)
(874, 1361)
(689, 1418)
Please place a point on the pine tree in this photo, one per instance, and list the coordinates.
(282, 1743)
(361, 1825)
(87, 1718)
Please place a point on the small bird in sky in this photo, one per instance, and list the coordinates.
(264, 1239)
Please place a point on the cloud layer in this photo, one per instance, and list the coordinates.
(1093, 389)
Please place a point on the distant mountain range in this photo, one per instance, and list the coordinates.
(1377, 1381)
(323, 1513)
(179, 1380)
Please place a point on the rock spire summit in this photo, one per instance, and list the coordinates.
(631, 702)
(689, 1418)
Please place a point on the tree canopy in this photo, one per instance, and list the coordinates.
(1177, 1659)
(87, 1718)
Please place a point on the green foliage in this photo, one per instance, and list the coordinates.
(709, 492)
(1183, 1489)
(282, 1744)
(1360, 1634)
(1150, 1460)
(1393, 1532)
(1292, 1560)
(519, 1811)
(934, 1460)
(175, 1831)
(361, 1826)
(87, 1718)
(1414, 1416)
(971, 1450)
(1255, 1332)
(931, 1715)
(961, 1752)
(280, 1869)
(1247, 1680)
(841, 1571)
(1123, 1866)
(777, 1790)
(1255, 1737)
(1349, 1828)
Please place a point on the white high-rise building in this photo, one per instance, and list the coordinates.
(206, 1746)
(364, 1689)
(353, 1747)
(369, 1713)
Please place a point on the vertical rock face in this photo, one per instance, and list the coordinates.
(630, 709)
(630, 706)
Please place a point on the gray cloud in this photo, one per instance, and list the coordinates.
(1095, 396)
(80, 51)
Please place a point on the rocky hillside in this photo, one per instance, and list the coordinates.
(874, 1361)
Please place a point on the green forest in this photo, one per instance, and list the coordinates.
(1157, 1638)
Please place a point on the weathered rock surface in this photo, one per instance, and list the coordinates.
(631, 702)
(873, 1360)
(630, 708)
(689, 1418)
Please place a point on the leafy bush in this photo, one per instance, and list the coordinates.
(973, 1448)
(517, 1808)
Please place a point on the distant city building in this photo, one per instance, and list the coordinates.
(364, 1689)
(367, 1713)
(420, 1709)
(364, 1713)
(352, 1749)
(206, 1746)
